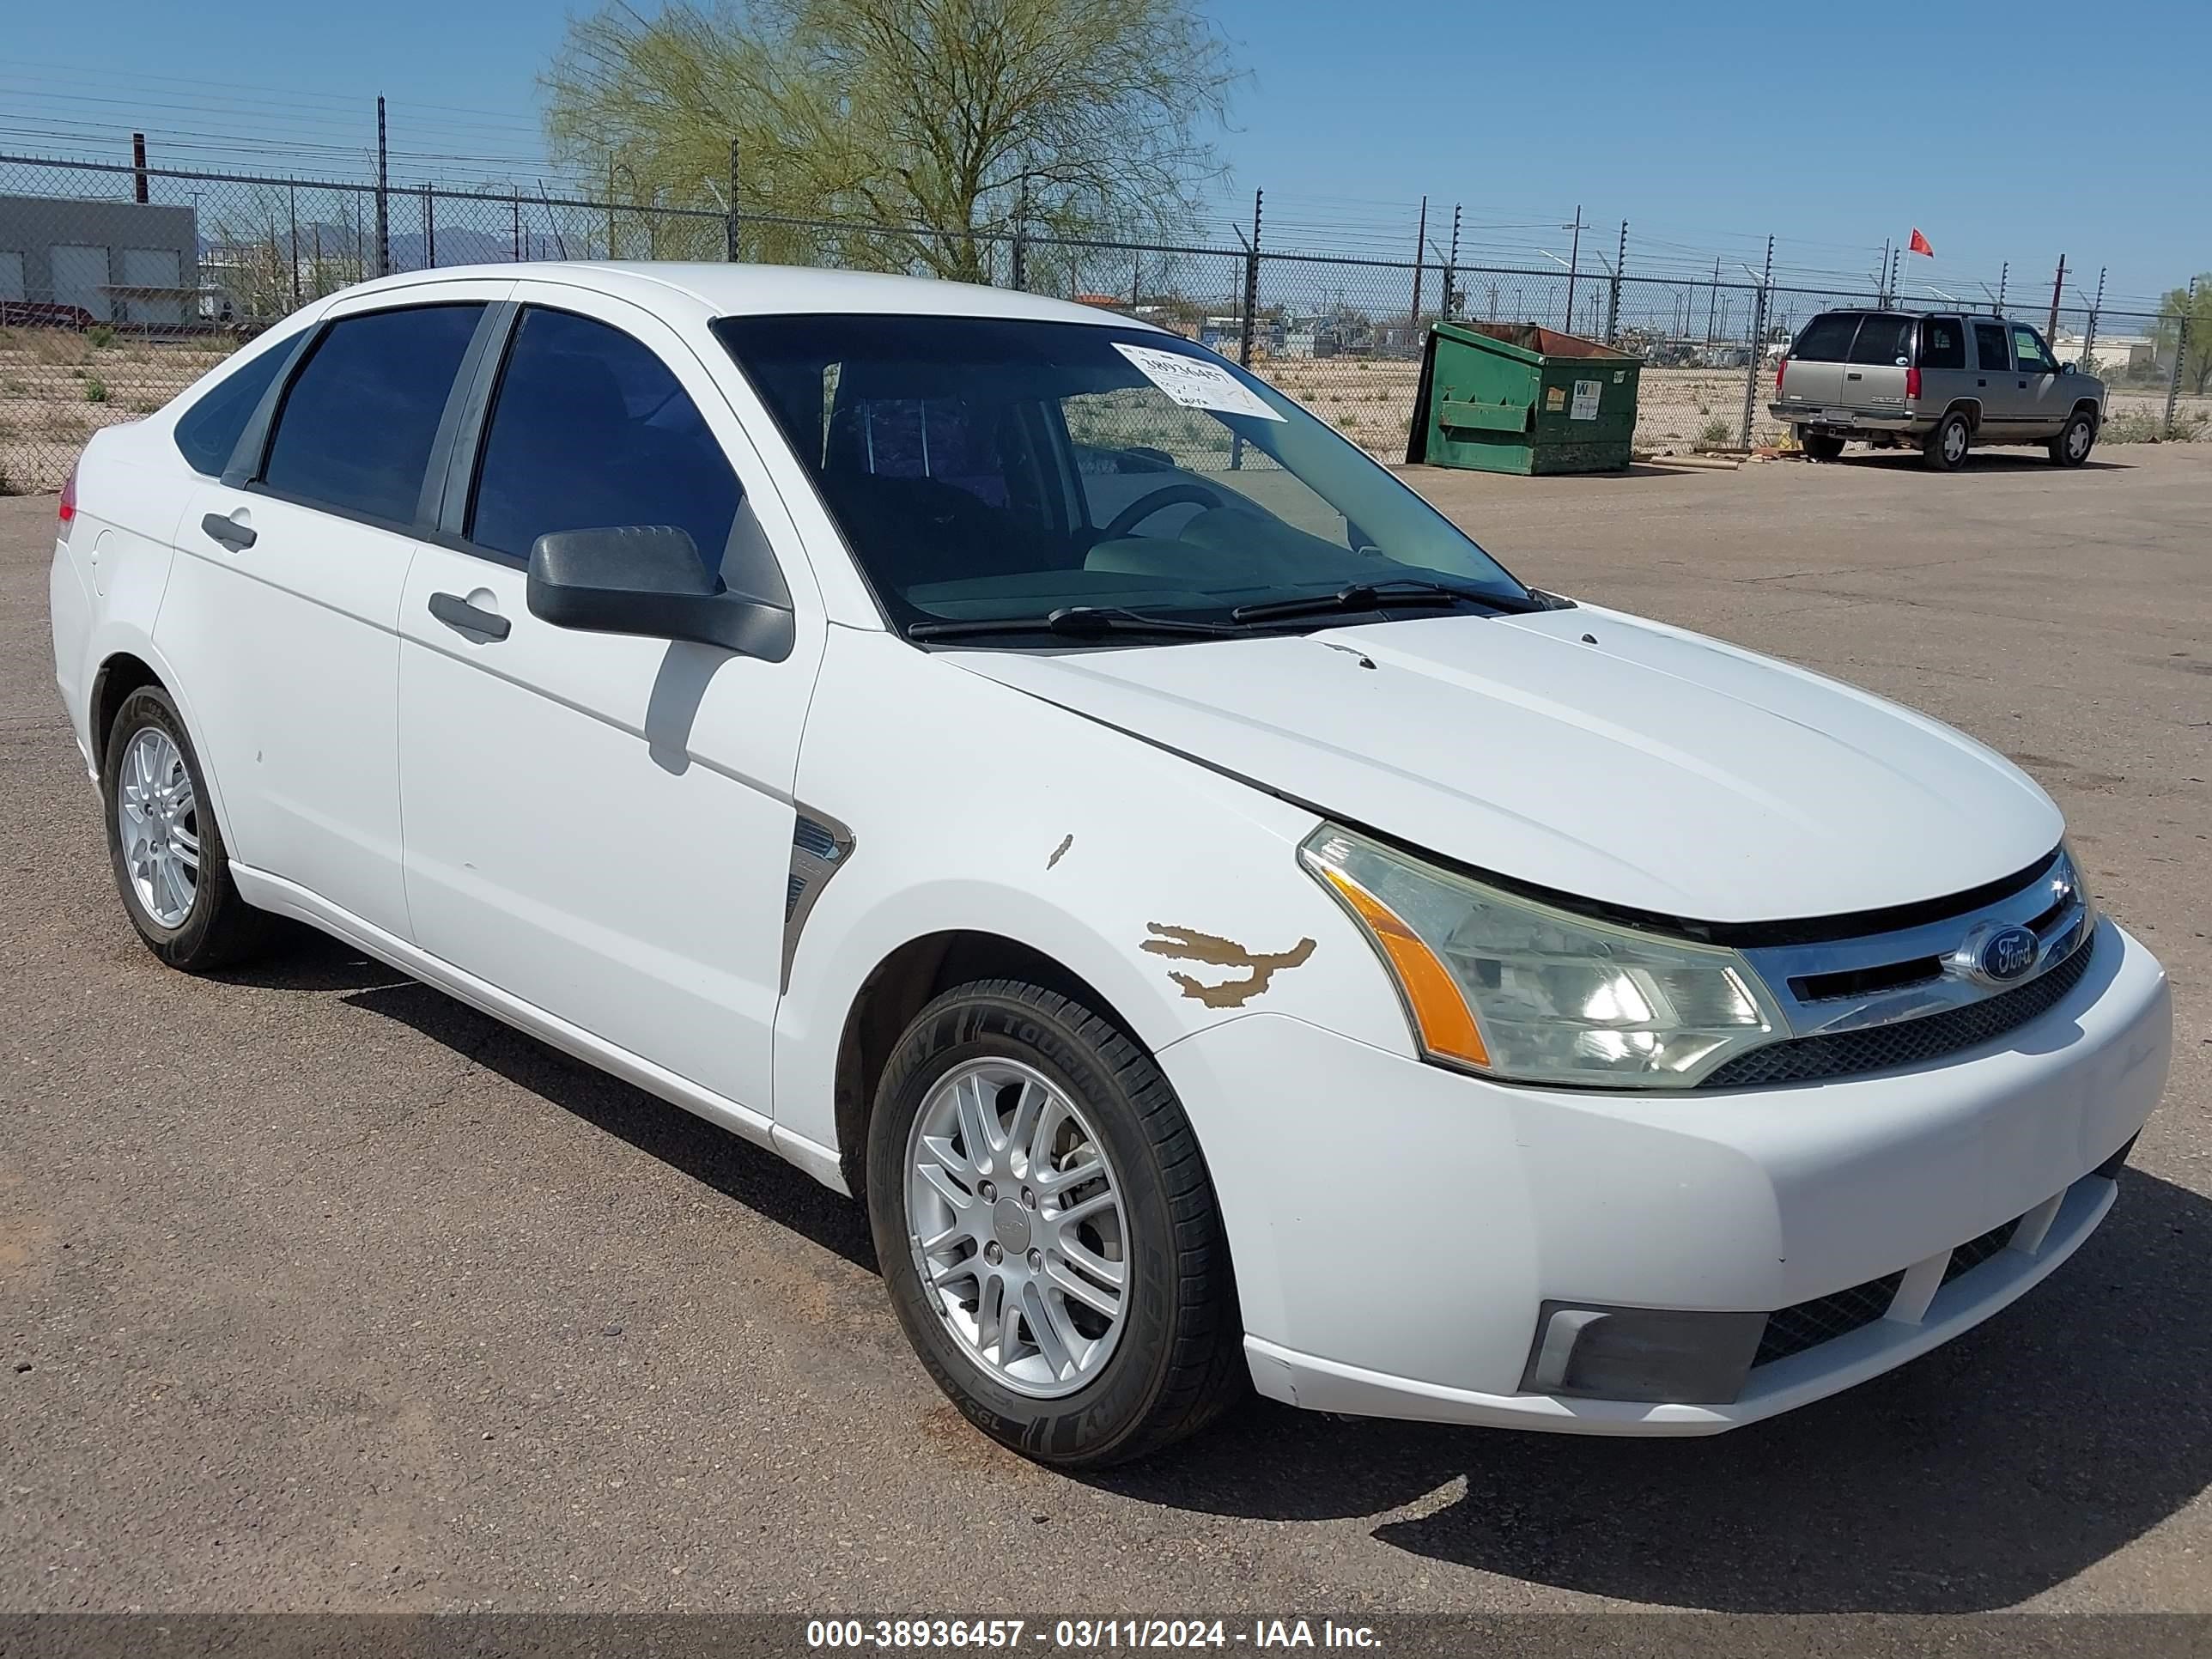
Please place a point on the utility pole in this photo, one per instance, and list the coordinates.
(2089, 339)
(1420, 268)
(383, 206)
(1613, 307)
(138, 167)
(1574, 258)
(2057, 284)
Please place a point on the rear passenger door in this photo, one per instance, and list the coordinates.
(282, 610)
(2004, 411)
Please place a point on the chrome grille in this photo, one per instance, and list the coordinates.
(1907, 1042)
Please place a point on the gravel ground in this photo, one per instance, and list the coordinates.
(319, 1292)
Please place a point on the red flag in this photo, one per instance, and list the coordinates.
(1920, 243)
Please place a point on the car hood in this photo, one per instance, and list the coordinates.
(1583, 750)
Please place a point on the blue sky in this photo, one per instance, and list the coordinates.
(2017, 135)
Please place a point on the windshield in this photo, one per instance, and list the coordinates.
(984, 467)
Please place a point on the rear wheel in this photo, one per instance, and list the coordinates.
(1945, 447)
(1820, 446)
(2072, 445)
(164, 843)
(1047, 1228)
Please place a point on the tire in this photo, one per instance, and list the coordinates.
(153, 797)
(1945, 448)
(2074, 439)
(1820, 446)
(1171, 1359)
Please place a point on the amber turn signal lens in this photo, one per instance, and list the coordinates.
(1447, 1026)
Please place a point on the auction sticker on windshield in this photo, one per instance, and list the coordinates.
(1195, 383)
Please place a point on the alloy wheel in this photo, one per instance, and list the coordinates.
(157, 818)
(1015, 1216)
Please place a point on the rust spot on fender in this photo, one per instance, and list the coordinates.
(1060, 851)
(1189, 945)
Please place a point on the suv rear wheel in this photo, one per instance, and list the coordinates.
(1820, 446)
(1047, 1228)
(1946, 447)
(2072, 445)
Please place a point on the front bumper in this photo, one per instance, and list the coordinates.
(1396, 1227)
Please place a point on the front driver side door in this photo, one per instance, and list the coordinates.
(601, 825)
(2044, 403)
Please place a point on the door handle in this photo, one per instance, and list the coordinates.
(231, 533)
(457, 614)
(2023, 386)
(1981, 383)
(1854, 376)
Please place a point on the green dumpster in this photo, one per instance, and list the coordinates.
(1517, 397)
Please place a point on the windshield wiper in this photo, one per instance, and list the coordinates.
(1081, 621)
(1374, 596)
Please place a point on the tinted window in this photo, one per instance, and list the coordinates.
(591, 431)
(1887, 340)
(1828, 337)
(357, 424)
(1989, 351)
(1943, 343)
(2028, 347)
(208, 431)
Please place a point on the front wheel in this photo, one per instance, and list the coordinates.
(1047, 1228)
(1820, 446)
(1945, 447)
(2072, 445)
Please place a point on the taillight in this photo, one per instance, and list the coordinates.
(1911, 383)
(65, 513)
(1779, 368)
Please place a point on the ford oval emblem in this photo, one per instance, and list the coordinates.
(2006, 955)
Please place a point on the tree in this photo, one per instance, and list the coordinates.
(1053, 117)
(2196, 307)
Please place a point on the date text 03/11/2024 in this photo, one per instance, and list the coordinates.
(1083, 1634)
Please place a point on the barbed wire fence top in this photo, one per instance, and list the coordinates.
(121, 284)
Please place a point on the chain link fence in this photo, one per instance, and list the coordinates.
(120, 286)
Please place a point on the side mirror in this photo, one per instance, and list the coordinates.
(648, 580)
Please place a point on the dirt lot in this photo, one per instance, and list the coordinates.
(319, 1290)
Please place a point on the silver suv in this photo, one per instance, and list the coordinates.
(1946, 382)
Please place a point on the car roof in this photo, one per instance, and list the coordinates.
(753, 290)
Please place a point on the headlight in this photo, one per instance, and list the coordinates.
(1517, 989)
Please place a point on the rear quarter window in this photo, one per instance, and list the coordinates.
(1943, 343)
(1826, 338)
(208, 431)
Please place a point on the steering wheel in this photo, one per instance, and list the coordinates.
(1144, 506)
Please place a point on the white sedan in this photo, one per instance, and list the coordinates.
(1035, 778)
